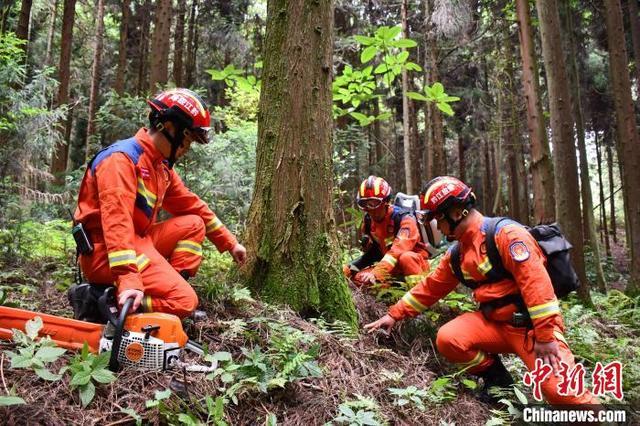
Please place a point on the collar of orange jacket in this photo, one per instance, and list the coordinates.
(472, 227)
(145, 140)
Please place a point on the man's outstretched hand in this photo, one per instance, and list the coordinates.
(239, 254)
(137, 296)
(386, 323)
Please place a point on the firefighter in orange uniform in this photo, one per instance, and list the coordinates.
(473, 340)
(391, 240)
(122, 192)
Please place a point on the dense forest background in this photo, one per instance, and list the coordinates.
(533, 103)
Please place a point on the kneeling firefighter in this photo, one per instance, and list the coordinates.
(519, 310)
(391, 240)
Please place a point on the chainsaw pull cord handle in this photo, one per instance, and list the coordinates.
(114, 365)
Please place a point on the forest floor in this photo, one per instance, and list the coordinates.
(283, 369)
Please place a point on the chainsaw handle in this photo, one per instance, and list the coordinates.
(114, 365)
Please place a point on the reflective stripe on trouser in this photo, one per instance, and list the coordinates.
(468, 339)
(179, 239)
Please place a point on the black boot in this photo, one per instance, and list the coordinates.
(197, 315)
(83, 299)
(494, 376)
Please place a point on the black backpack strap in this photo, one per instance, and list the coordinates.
(497, 271)
(367, 224)
(455, 262)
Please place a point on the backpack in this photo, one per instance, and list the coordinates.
(553, 243)
(403, 205)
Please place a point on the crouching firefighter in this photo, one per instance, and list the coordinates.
(391, 241)
(519, 312)
(123, 189)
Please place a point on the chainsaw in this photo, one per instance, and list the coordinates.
(150, 341)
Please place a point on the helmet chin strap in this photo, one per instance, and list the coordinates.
(175, 141)
(453, 224)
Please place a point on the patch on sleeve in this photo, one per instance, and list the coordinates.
(519, 251)
(403, 233)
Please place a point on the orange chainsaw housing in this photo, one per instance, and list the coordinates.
(72, 334)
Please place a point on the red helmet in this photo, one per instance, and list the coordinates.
(444, 192)
(374, 191)
(185, 109)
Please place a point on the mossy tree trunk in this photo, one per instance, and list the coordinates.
(291, 239)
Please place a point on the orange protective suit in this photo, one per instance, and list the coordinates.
(470, 339)
(122, 191)
(403, 253)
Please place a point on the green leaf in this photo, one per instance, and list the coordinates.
(219, 356)
(45, 374)
(364, 40)
(21, 361)
(101, 361)
(11, 400)
(358, 116)
(132, 413)
(384, 116)
(80, 379)
(187, 419)
(151, 403)
(389, 34)
(437, 89)
(380, 69)
(470, 383)
(494, 421)
(412, 66)
(367, 71)
(445, 107)
(87, 392)
(416, 96)
(447, 98)
(160, 395)
(402, 57)
(404, 43)
(33, 326)
(216, 75)
(103, 376)
(49, 354)
(368, 54)
(521, 396)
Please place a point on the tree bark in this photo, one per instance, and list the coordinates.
(612, 198)
(159, 73)
(634, 24)
(564, 149)
(627, 140)
(143, 13)
(603, 212)
(178, 44)
(588, 221)
(121, 73)
(51, 33)
(191, 45)
(22, 29)
(291, 237)
(437, 159)
(95, 80)
(59, 159)
(406, 137)
(541, 165)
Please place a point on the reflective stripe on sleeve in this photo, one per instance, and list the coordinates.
(410, 300)
(122, 257)
(544, 310)
(213, 225)
(142, 262)
(189, 246)
(390, 260)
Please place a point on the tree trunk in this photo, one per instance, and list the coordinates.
(603, 212)
(178, 44)
(59, 158)
(191, 44)
(541, 165)
(377, 134)
(95, 80)
(612, 198)
(462, 165)
(160, 45)
(437, 159)
(627, 140)
(291, 237)
(51, 33)
(634, 23)
(588, 222)
(406, 137)
(118, 86)
(143, 46)
(22, 30)
(564, 148)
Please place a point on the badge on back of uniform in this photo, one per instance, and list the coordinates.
(519, 251)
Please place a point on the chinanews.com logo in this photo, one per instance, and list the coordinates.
(570, 382)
